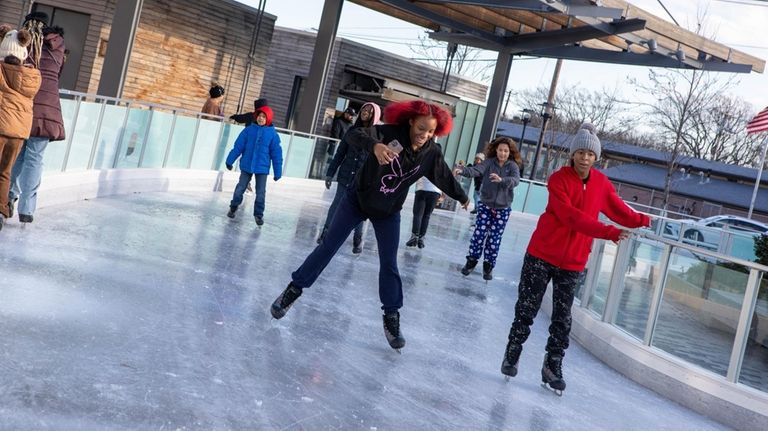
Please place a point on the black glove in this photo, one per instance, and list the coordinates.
(328, 181)
(229, 167)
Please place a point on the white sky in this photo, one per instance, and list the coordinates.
(740, 24)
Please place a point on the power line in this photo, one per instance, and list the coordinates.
(761, 3)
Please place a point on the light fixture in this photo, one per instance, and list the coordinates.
(651, 43)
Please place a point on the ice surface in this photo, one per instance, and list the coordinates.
(150, 311)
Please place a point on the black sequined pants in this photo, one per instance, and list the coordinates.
(534, 278)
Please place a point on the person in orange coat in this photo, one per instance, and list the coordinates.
(18, 86)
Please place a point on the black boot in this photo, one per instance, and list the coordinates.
(357, 245)
(420, 242)
(413, 241)
(259, 220)
(469, 266)
(285, 300)
(392, 330)
(511, 358)
(232, 211)
(11, 207)
(487, 271)
(322, 236)
(552, 373)
(24, 218)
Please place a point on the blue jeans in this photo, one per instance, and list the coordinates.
(387, 231)
(27, 174)
(341, 192)
(261, 189)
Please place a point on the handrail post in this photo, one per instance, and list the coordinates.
(616, 284)
(95, 143)
(122, 136)
(194, 144)
(656, 296)
(169, 142)
(71, 135)
(742, 328)
(146, 137)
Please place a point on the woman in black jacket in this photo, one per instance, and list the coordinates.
(399, 154)
(347, 161)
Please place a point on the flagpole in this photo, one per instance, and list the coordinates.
(759, 177)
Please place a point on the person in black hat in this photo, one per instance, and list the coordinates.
(213, 106)
(247, 117)
(340, 126)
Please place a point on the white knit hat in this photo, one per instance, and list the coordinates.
(586, 139)
(11, 46)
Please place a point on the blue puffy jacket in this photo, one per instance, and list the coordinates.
(258, 146)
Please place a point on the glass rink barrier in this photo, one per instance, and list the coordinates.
(704, 307)
(110, 133)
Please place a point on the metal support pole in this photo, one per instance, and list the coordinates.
(194, 145)
(616, 285)
(759, 177)
(71, 135)
(146, 138)
(119, 149)
(169, 142)
(95, 142)
(318, 71)
(495, 97)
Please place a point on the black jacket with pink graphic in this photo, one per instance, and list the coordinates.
(382, 189)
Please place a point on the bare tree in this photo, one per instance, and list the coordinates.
(466, 61)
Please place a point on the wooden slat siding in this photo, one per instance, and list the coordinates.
(173, 62)
(10, 12)
(291, 55)
(396, 13)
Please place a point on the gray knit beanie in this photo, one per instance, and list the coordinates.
(586, 139)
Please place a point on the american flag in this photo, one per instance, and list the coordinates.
(759, 123)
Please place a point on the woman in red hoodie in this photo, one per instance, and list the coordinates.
(559, 249)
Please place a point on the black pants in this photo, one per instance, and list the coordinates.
(534, 278)
(423, 205)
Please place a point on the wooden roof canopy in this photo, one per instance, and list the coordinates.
(609, 31)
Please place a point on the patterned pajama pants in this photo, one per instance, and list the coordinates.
(489, 227)
(534, 278)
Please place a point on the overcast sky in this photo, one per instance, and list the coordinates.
(740, 24)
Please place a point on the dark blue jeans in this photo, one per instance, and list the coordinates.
(341, 193)
(261, 189)
(423, 205)
(345, 219)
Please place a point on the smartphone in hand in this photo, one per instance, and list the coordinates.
(394, 146)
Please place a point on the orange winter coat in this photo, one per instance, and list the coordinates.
(18, 86)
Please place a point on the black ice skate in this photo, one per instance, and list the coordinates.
(469, 266)
(231, 212)
(487, 271)
(552, 374)
(284, 301)
(511, 359)
(413, 241)
(420, 244)
(259, 220)
(392, 331)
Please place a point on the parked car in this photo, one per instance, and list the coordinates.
(732, 223)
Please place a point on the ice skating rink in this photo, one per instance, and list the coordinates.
(150, 311)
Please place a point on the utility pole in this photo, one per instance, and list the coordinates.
(506, 104)
(546, 114)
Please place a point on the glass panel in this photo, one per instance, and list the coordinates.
(603, 278)
(133, 137)
(54, 153)
(109, 136)
(206, 143)
(641, 278)
(754, 369)
(82, 138)
(227, 142)
(299, 156)
(700, 309)
(159, 132)
(537, 199)
(519, 197)
(743, 246)
(181, 142)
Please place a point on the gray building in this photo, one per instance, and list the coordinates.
(359, 74)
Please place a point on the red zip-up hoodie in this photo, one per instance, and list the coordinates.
(564, 233)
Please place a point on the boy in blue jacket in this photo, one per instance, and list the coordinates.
(258, 145)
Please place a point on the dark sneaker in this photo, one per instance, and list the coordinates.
(322, 236)
(24, 218)
(552, 373)
(511, 359)
(259, 220)
(413, 241)
(284, 301)
(392, 330)
(232, 211)
(11, 206)
(487, 271)
(469, 266)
